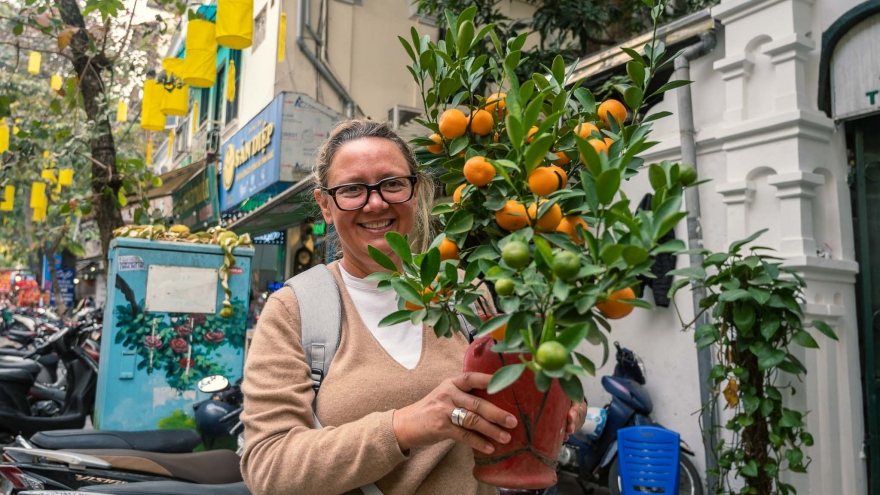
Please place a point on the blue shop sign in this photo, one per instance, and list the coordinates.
(251, 158)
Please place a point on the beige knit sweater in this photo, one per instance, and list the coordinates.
(363, 387)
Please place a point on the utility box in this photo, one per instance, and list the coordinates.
(163, 331)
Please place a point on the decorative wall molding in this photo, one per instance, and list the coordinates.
(732, 11)
(804, 124)
(814, 268)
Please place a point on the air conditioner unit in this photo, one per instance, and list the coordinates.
(399, 115)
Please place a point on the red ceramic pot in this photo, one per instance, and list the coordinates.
(528, 461)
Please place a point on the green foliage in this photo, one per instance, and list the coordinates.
(756, 307)
(198, 338)
(542, 306)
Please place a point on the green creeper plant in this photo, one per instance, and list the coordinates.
(755, 304)
(547, 301)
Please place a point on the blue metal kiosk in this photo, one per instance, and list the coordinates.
(163, 331)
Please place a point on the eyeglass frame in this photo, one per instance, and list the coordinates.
(331, 191)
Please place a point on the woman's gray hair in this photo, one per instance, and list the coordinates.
(352, 130)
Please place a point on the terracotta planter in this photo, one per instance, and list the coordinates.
(529, 460)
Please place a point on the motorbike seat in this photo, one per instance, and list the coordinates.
(169, 488)
(16, 375)
(214, 467)
(9, 351)
(167, 441)
(25, 364)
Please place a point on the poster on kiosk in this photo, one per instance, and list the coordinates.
(163, 331)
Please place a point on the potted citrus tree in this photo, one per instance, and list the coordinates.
(535, 172)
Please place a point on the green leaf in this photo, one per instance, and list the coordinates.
(771, 359)
(465, 37)
(76, 249)
(611, 253)
(407, 292)
(633, 97)
(123, 201)
(636, 71)
(656, 176)
(461, 221)
(744, 316)
(430, 266)
(395, 318)
(737, 245)
(791, 419)
(670, 85)
(494, 324)
(558, 69)
(607, 185)
(734, 295)
(573, 335)
(382, 259)
(805, 339)
(505, 377)
(750, 470)
(573, 388)
(693, 272)
(399, 245)
(634, 255)
(824, 328)
(769, 324)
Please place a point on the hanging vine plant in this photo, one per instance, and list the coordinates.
(756, 307)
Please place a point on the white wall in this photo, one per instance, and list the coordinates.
(259, 65)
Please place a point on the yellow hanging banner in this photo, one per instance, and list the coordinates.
(152, 118)
(55, 82)
(149, 158)
(195, 116)
(4, 137)
(34, 60)
(48, 175)
(235, 23)
(170, 143)
(176, 101)
(40, 213)
(201, 54)
(282, 33)
(15, 127)
(122, 111)
(65, 177)
(230, 81)
(38, 194)
(8, 198)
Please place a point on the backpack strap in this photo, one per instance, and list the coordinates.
(320, 312)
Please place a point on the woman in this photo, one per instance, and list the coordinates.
(392, 393)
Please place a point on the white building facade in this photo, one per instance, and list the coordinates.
(785, 114)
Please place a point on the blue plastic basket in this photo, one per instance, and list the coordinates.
(648, 460)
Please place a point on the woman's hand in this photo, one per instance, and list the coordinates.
(576, 416)
(429, 420)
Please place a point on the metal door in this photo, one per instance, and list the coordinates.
(867, 232)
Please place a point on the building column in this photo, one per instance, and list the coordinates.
(789, 56)
(734, 71)
(796, 192)
(737, 196)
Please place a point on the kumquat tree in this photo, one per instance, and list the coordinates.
(535, 171)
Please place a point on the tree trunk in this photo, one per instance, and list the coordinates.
(756, 437)
(60, 307)
(89, 71)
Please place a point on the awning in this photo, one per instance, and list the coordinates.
(290, 208)
(173, 180)
(677, 34)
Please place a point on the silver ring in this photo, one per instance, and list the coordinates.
(458, 415)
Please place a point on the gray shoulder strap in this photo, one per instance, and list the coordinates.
(320, 309)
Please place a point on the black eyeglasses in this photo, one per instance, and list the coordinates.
(355, 195)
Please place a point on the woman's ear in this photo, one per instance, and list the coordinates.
(323, 201)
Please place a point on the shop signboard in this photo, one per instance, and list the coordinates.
(66, 284)
(855, 71)
(195, 203)
(5, 282)
(278, 146)
(276, 238)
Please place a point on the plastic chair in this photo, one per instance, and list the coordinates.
(648, 460)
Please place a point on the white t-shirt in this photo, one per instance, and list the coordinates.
(402, 341)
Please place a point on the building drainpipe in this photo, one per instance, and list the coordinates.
(695, 240)
(348, 101)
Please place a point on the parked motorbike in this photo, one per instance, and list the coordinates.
(100, 462)
(591, 453)
(154, 488)
(20, 413)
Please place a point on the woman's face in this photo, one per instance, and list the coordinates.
(367, 160)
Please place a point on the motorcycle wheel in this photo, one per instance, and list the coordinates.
(689, 479)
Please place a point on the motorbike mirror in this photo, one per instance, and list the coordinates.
(213, 383)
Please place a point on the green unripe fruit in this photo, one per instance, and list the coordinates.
(551, 355)
(504, 287)
(516, 254)
(566, 265)
(226, 312)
